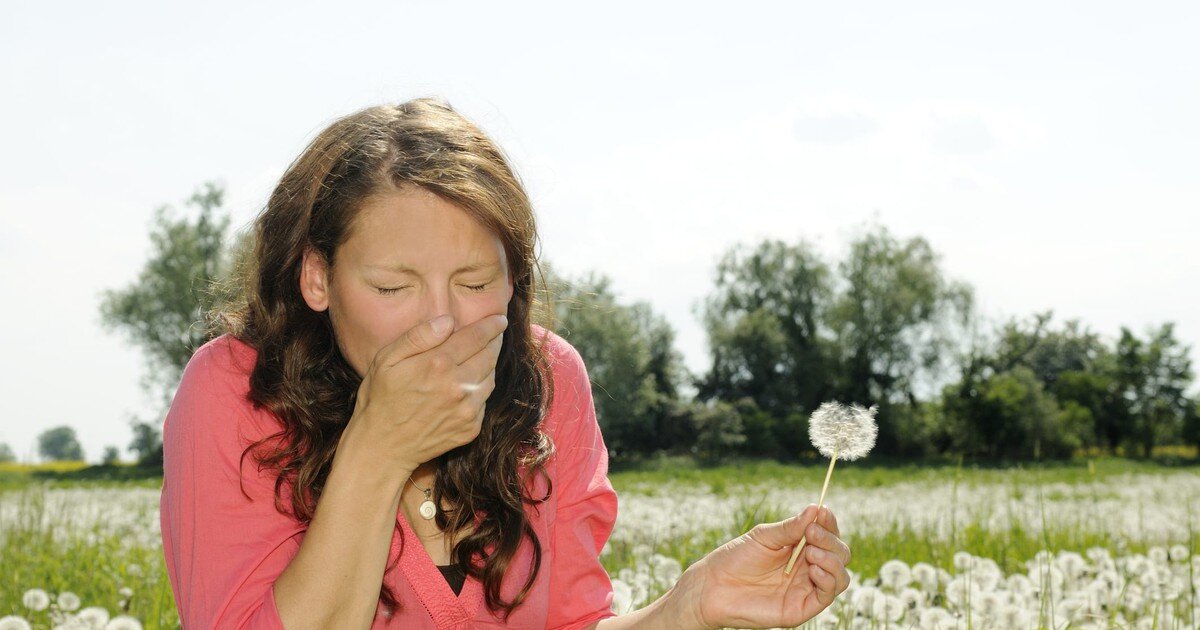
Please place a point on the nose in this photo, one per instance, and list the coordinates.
(438, 301)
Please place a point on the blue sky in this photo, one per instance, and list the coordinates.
(1047, 151)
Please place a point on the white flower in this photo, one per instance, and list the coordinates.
(936, 617)
(895, 574)
(95, 616)
(845, 432)
(68, 601)
(13, 622)
(1179, 553)
(926, 575)
(123, 622)
(125, 592)
(622, 597)
(35, 599)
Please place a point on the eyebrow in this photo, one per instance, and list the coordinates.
(402, 268)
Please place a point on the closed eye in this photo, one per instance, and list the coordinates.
(473, 287)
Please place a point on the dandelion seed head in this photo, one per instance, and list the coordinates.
(622, 597)
(13, 622)
(36, 599)
(95, 616)
(123, 622)
(845, 432)
(68, 601)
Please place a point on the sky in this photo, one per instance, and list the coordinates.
(1047, 151)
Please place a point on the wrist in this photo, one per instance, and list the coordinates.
(682, 601)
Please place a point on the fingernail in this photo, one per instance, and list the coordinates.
(441, 324)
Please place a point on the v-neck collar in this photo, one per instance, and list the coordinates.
(447, 609)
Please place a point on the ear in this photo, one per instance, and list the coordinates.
(314, 280)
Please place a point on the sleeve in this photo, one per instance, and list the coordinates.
(223, 550)
(581, 591)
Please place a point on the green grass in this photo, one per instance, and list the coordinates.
(95, 567)
(880, 472)
(91, 565)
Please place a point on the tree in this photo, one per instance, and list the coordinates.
(6, 453)
(895, 320)
(635, 373)
(111, 455)
(1152, 377)
(147, 443)
(60, 444)
(1011, 416)
(764, 321)
(164, 311)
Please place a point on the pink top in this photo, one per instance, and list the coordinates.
(224, 552)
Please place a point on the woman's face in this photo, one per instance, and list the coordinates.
(411, 257)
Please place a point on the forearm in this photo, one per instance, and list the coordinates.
(677, 609)
(335, 577)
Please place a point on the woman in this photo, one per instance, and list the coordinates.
(382, 370)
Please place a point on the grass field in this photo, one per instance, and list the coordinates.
(1104, 542)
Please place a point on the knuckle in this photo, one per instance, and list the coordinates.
(439, 362)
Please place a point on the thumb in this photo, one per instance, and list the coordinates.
(418, 339)
(785, 533)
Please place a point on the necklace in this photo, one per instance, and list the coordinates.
(428, 509)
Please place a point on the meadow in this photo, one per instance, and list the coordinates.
(1095, 543)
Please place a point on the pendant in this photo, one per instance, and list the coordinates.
(427, 509)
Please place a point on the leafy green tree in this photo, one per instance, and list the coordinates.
(6, 453)
(147, 443)
(894, 322)
(1013, 417)
(719, 431)
(111, 455)
(764, 324)
(1152, 376)
(1191, 426)
(635, 372)
(164, 311)
(60, 444)
(1075, 366)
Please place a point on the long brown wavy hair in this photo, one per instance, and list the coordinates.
(300, 373)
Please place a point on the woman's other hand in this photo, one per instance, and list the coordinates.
(742, 584)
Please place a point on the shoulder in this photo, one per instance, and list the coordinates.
(225, 359)
(213, 395)
(569, 372)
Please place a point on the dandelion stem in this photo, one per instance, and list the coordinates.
(820, 503)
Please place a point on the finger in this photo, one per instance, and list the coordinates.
(471, 339)
(420, 338)
(785, 533)
(827, 562)
(476, 368)
(478, 393)
(818, 536)
(829, 521)
(826, 585)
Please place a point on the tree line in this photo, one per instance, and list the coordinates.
(787, 330)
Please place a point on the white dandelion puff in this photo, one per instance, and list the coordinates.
(95, 616)
(35, 599)
(622, 597)
(843, 432)
(13, 622)
(68, 601)
(123, 622)
(838, 432)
